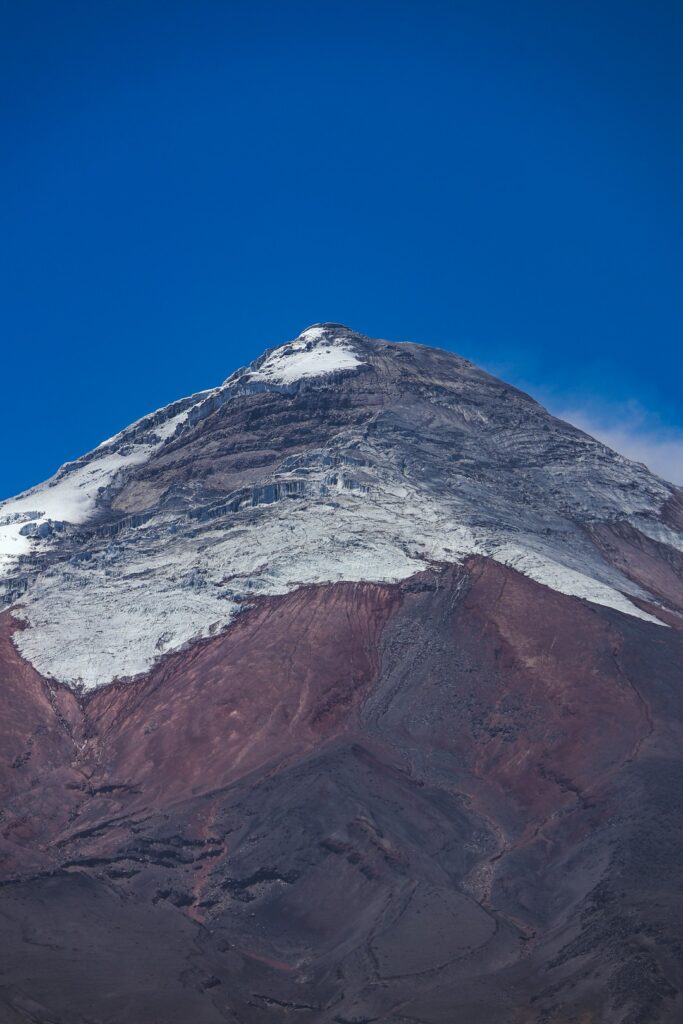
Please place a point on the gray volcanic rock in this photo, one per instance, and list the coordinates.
(403, 737)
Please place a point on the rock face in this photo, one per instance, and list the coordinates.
(348, 691)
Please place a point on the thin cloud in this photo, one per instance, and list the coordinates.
(627, 427)
(632, 431)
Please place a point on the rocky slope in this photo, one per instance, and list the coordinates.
(347, 691)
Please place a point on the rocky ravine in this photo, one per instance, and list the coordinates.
(348, 691)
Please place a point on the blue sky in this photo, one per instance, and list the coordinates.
(185, 184)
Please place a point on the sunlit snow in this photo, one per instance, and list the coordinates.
(309, 356)
(70, 496)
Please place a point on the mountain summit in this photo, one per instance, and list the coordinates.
(333, 457)
(346, 691)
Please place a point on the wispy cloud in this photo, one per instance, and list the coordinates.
(630, 429)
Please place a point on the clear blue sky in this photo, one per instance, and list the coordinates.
(184, 184)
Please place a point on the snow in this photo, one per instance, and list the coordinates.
(313, 354)
(162, 430)
(67, 497)
(315, 333)
(113, 616)
(660, 532)
(185, 588)
(70, 496)
(566, 580)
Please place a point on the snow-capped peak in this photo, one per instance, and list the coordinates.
(318, 351)
(276, 479)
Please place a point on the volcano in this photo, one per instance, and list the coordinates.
(350, 690)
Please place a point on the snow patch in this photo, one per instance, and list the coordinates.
(565, 580)
(659, 532)
(313, 354)
(70, 496)
(313, 334)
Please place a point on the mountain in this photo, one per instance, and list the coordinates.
(350, 690)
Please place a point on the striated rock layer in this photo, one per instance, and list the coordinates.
(403, 737)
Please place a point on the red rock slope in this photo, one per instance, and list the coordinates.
(455, 798)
